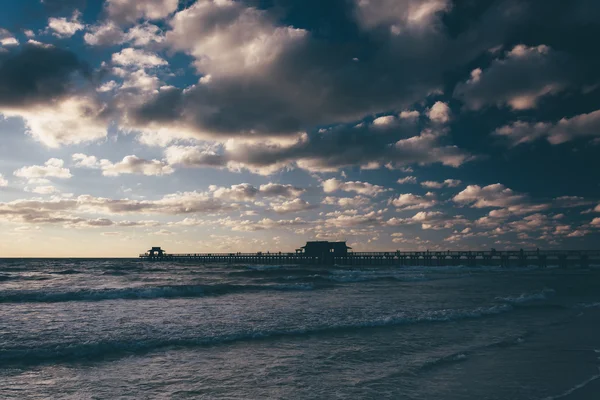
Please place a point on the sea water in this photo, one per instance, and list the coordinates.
(128, 329)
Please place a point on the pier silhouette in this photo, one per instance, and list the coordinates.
(336, 253)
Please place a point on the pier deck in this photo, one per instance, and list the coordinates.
(542, 258)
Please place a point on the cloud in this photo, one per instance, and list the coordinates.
(410, 115)
(37, 75)
(400, 15)
(134, 165)
(344, 221)
(565, 130)
(65, 28)
(411, 201)
(53, 168)
(329, 151)
(440, 113)
(280, 190)
(3, 181)
(139, 58)
(347, 202)
(227, 38)
(105, 34)
(496, 195)
(48, 189)
(407, 179)
(259, 76)
(449, 183)
(292, 206)
(124, 11)
(37, 84)
(7, 38)
(129, 165)
(518, 80)
(333, 185)
(248, 192)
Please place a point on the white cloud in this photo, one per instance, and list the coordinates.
(227, 38)
(85, 161)
(3, 182)
(53, 168)
(496, 195)
(72, 120)
(292, 206)
(567, 129)
(365, 188)
(410, 115)
(407, 179)
(7, 38)
(48, 189)
(449, 183)
(145, 34)
(138, 58)
(401, 15)
(106, 34)
(130, 11)
(65, 28)
(386, 120)
(411, 201)
(518, 80)
(345, 221)
(440, 112)
(134, 165)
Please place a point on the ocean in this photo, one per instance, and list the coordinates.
(129, 329)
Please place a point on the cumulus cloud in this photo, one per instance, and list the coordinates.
(496, 195)
(333, 185)
(565, 130)
(65, 28)
(400, 16)
(53, 168)
(345, 221)
(440, 113)
(104, 34)
(448, 183)
(248, 192)
(329, 151)
(518, 80)
(407, 179)
(37, 84)
(138, 58)
(347, 202)
(409, 201)
(134, 165)
(260, 76)
(129, 11)
(3, 181)
(7, 38)
(292, 206)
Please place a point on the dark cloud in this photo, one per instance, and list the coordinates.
(37, 74)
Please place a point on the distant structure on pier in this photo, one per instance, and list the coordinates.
(324, 249)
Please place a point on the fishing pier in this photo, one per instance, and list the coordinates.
(337, 253)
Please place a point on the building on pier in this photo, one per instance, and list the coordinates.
(324, 249)
(156, 252)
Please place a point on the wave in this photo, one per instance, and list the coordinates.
(145, 292)
(100, 350)
(527, 297)
(67, 272)
(589, 305)
(581, 385)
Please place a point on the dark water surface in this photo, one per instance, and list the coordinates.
(108, 329)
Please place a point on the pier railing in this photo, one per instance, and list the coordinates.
(427, 258)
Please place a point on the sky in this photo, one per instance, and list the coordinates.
(256, 125)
